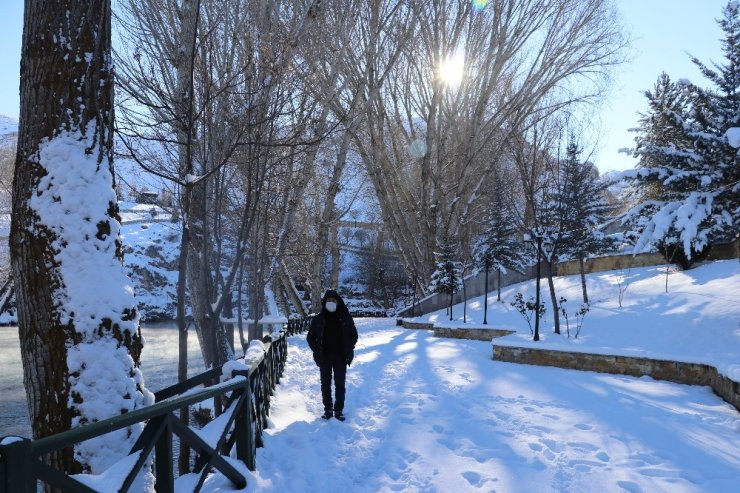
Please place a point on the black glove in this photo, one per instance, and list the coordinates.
(350, 357)
(316, 359)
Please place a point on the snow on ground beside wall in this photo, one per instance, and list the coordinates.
(438, 415)
(698, 320)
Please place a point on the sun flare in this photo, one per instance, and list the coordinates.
(451, 69)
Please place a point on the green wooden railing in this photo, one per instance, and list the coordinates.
(247, 405)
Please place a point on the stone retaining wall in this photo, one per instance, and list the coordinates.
(674, 371)
(417, 325)
(614, 262)
(472, 333)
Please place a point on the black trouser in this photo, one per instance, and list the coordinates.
(333, 364)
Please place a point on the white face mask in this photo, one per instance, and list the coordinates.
(331, 306)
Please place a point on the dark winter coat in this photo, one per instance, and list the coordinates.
(347, 327)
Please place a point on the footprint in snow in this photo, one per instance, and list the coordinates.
(603, 456)
(589, 447)
(630, 486)
(473, 478)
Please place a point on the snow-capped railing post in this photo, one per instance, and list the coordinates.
(243, 435)
(15, 466)
(164, 459)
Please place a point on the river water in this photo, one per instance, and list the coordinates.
(158, 364)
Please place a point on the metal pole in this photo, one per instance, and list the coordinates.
(537, 295)
(485, 298)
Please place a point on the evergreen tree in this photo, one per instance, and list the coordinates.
(447, 276)
(496, 248)
(697, 167)
(583, 208)
(662, 140)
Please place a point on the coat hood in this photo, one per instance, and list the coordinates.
(330, 293)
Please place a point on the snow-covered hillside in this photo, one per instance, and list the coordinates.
(151, 243)
(8, 126)
(697, 320)
(151, 249)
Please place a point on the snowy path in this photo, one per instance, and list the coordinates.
(428, 414)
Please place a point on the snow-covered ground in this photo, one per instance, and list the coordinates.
(697, 320)
(149, 213)
(428, 414)
(438, 415)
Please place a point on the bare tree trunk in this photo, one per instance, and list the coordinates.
(289, 287)
(280, 297)
(336, 257)
(465, 302)
(212, 336)
(229, 314)
(184, 65)
(182, 324)
(553, 297)
(239, 312)
(67, 100)
(582, 270)
(325, 223)
(485, 298)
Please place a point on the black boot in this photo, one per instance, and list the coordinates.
(328, 413)
(339, 415)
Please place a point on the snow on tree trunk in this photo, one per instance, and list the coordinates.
(77, 317)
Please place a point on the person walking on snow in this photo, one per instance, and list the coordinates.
(332, 338)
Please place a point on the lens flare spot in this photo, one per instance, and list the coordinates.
(451, 69)
(479, 4)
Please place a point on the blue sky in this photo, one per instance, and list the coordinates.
(662, 31)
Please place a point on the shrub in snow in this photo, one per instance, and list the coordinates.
(578, 316)
(528, 309)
